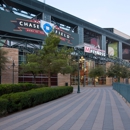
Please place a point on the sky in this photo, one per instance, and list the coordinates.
(103, 13)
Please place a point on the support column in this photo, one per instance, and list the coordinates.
(81, 35)
(63, 79)
(120, 50)
(46, 17)
(103, 43)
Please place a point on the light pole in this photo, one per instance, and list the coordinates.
(13, 65)
(84, 73)
(78, 91)
(82, 61)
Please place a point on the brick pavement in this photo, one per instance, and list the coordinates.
(95, 108)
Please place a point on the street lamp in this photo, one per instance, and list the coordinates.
(78, 91)
(80, 66)
(82, 61)
(13, 65)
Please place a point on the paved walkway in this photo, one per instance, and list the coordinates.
(95, 108)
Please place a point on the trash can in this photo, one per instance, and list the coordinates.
(66, 84)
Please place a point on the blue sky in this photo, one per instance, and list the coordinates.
(103, 13)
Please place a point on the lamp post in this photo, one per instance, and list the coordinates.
(13, 65)
(82, 61)
(78, 91)
(84, 73)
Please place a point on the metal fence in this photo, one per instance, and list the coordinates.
(123, 89)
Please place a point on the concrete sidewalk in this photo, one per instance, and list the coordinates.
(95, 108)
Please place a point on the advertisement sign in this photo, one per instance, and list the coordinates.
(95, 42)
(112, 49)
(42, 28)
(125, 52)
(92, 49)
(30, 26)
(38, 29)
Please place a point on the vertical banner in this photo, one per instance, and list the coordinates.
(112, 49)
(126, 52)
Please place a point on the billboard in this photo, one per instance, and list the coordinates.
(32, 28)
(125, 52)
(92, 49)
(95, 42)
(113, 49)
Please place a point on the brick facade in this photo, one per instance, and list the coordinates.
(7, 74)
(63, 79)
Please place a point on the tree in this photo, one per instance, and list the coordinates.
(31, 66)
(124, 72)
(51, 59)
(3, 59)
(54, 59)
(96, 72)
(128, 73)
(72, 65)
(110, 71)
(73, 62)
(117, 71)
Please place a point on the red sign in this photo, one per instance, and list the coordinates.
(87, 49)
(91, 49)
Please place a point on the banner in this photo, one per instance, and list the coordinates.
(125, 52)
(112, 49)
(41, 27)
(92, 49)
(34, 28)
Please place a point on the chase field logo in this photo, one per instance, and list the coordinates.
(42, 28)
(49, 27)
(46, 27)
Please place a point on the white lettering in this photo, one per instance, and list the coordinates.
(30, 25)
(21, 23)
(38, 26)
(25, 24)
(34, 25)
(64, 35)
(61, 33)
(68, 36)
(56, 31)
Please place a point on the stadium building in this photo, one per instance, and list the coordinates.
(24, 25)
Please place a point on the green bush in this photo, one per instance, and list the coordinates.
(13, 88)
(3, 106)
(23, 100)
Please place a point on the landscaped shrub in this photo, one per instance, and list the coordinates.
(13, 88)
(23, 100)
(3, 106)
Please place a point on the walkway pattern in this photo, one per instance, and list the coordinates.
(95, 108)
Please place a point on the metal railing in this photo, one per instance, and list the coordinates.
(123, 89)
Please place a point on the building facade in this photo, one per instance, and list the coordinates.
(26, 23)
